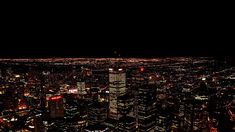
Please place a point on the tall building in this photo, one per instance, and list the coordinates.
(117, 87)
(38, 125)
(147, 107)
(127, 120)
(196, 115)
(162, 123)
(83, 113)
(125, 105)
(127, 124)
(81, 88)
(95, 93)
(56, 107)
(10, 99)
(97, 113)
(196, 110)
(44, 78)
(71, 109)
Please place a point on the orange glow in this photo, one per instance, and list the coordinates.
(22, 107)
(1, 120)
(26, 94)
(212, 129)
(55, 97)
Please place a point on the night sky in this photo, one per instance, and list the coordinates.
(114, 49)
(113, 46)
(56, 34)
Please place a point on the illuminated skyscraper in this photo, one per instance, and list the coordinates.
(81, 88)
(117, 87)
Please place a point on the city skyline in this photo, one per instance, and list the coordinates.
(117, 94)
(92, 71)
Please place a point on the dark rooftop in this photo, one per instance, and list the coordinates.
(96, 127)
(127, 119)
(125, 97)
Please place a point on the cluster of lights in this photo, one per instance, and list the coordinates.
(73, 91)
(14, 119)
(102, 99)
(22, 107)
(8, 120)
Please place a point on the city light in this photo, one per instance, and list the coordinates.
(14, 119)
(22, 107)
(55, 97)
(117, 94)
(26, 94)
(203, 79)
(17, 76)
(73, 91)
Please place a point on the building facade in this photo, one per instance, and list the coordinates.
(117, 87)
(56, 107)
(147, 107)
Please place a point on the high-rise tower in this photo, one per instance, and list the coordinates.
(117, 87)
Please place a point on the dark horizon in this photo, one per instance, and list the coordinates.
(119, 44)
(113, 49)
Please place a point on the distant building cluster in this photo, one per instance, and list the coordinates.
(105, 95)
